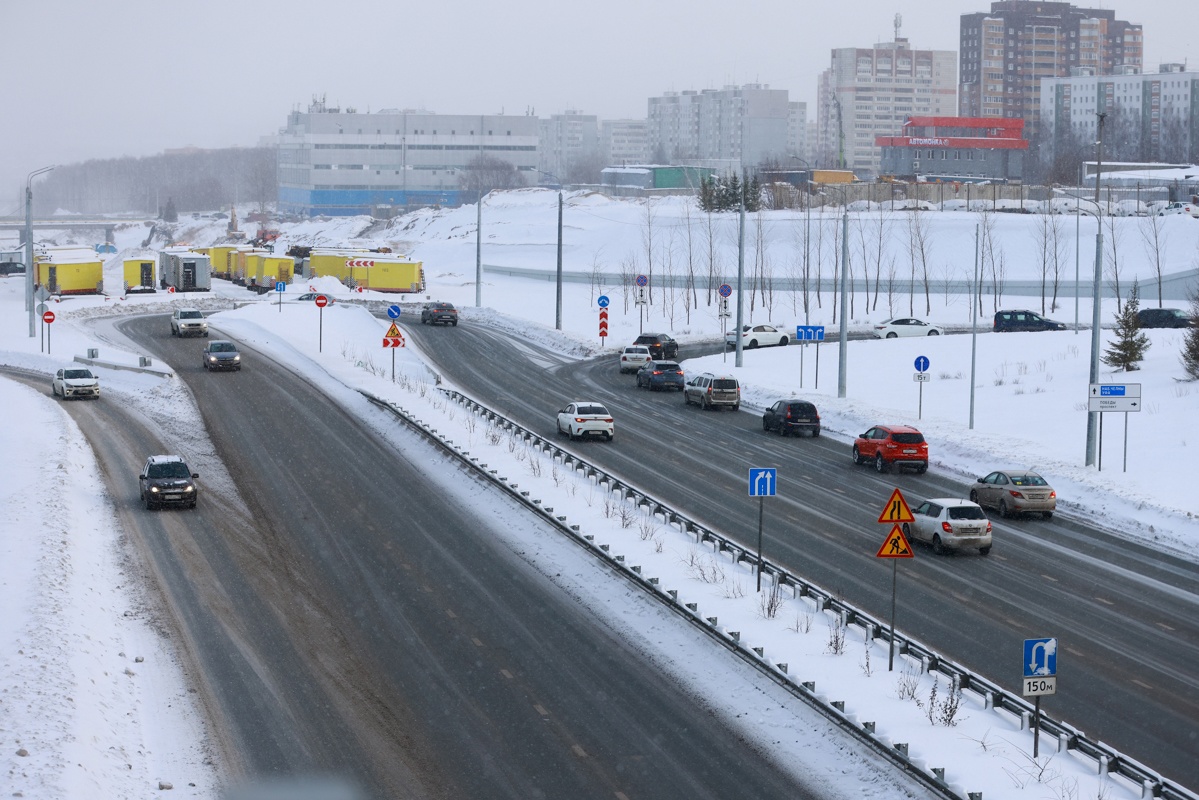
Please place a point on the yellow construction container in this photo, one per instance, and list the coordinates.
(387, 273)
(335, 262)
(832, 176)
(246, 263)
(69, 270)
(138, 274)
(223, 258)
(275, 268)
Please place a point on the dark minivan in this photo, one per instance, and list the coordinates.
(1025, 321)
(792, 416)
(1164, 318)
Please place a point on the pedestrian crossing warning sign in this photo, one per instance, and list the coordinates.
(896, 509)
(393, 331)
(896, 545)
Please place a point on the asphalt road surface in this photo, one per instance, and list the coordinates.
(1126, 616)
(342, 618)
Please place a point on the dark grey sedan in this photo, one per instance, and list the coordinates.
(221, 354)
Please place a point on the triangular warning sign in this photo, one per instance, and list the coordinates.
(896, 545)
(393, 331)
(896, 510)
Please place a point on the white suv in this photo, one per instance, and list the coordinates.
(188, 322)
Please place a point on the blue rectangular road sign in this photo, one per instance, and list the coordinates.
(763, 481)
(1111, 391)
(1040, 657)
(809, 333)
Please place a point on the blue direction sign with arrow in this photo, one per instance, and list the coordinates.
(603, 301)
(1040, 658)
(763, 481)
(393, 312)
(921, 363)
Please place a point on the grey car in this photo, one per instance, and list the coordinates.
(221, 354)
(166, 481)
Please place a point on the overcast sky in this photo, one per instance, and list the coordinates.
(98, 80)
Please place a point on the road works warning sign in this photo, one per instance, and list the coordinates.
(896, 545)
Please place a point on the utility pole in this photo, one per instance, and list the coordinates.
(29, 246)
(843, 355)
(1093, 416)
(558, 314)
(740, 275)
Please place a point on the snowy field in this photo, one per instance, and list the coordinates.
(93, 720)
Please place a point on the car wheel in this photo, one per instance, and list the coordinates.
(611, 436)
(573, 436)
(784, 342)
(934, 333)
(974, 496)
(454, 323)
(783, 429)
(815, 433)
(205, 334)
(938, 546)
(1047, 514)
(880, 465)
(892, 335)
(923, 468)
(982, 551)
(857, 457)
(737, 407)
(907, 532)
(765, 425)
(752, 344)
(1004, 511)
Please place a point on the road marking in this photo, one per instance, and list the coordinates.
(541, 710)
(621, 796)
(578, 751)
(506, 674)
(1164, 626)
(1074, 652)
(450, 612)
(1105, 601)
(1049, 578)
(1141, 684)
(476, 641)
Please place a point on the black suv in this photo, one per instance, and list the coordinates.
(1025, 321)
(445, 313)
(166, 480)
(660, 345)
(1164, 318)
(792, 416)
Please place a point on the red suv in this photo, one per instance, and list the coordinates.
(892, 446)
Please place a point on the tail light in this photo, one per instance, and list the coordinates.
(1015, 494)
(945, 526)
(657, 372)
(988, 526)
(1052, 495)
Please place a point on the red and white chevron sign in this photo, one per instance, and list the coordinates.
(359, 262)
(603, 323)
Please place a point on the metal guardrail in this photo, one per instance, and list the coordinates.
(1108, 761)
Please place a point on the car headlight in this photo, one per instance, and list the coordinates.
(189, 488)
(237, 358)
(212, 358)
(154, 489)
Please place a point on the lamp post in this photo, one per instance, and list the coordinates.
(807, 234)
(479, 252)
(1077, 241)
(29, 244)
(1093, 416)
(843, 338)
(558, 305)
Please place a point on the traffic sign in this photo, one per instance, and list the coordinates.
(1038, 687)
(280, 286)
(921, 363)
(603, 322)
(763, 481)
(603, 301)
(170, 290)
(896, 545)
(921, 377)
(641, 296)
(809, 333)
(48, 317)
(1040, 658)
(896, 509)
(321, 301)
(394, 312)
(725, 290)
(393, 341)
(41, 308)
(392, 331)
(359, 262)
(1114, 397)
(642, 280)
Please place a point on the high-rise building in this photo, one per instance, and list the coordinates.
(735, 128)
(869, 92)
(1150, 117)
(624, 141)
(1007, 52)
(569, 145)
(342, 162)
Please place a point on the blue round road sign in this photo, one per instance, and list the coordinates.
(603, 301)
(725, 290)
(921, 364)
(642, 280)
(393, 312)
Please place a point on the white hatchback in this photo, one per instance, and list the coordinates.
(950, 524)
(586, 418)
(634, 357)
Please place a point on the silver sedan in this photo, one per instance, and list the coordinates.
(1015, 491)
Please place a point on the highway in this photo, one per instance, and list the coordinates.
(1125, 614)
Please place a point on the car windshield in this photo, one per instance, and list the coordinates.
(908, 438)
(169, 469)
(190, 315)
(1029, 480)
(222, 347)
(594, 409)
(966, 512)
(77, 373)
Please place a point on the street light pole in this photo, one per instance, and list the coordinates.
(558, 314)
(29, 245)
(740, 276)
(479, 254)
(1093, 416)
(807, 235)
(843, 359)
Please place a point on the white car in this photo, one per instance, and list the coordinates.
(586, 418)
(188, 322)
(69, 383)
(758, 336)
(634, 357)
(310, 297)
(1190, 209)
(904, 326)
(950, 524)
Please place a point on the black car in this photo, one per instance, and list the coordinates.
(1164, 318)
(1025, 321)
(433, 313)
(661, 346)
(792, 416)
(221, 354)
(166, 481)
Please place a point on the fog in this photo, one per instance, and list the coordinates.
(93, 80)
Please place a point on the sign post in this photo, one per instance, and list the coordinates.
(321, 301)
(1040, 678)
(763, 482)
(48, 318)
(805, 334)
(603, 302)
(280, 288)
(642, 301)
(895, 546)
(921, 377)
(393, 339)
(1104, 397)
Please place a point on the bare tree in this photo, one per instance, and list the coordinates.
(1042, 234)
(485, 173)
(647, 241)
(1112, 254)
(1153, 236)
(920, 251)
